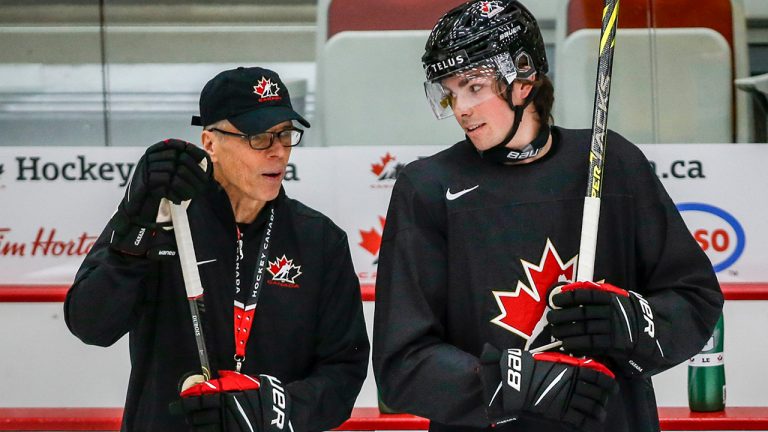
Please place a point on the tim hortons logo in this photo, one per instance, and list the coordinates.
(387, 168)
(267, 90)
(522, 308)
(284, 272)
(46, 243)
(371, 240)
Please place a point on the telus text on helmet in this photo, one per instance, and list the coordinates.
(449, 63)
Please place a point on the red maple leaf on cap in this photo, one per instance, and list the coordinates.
(262, 86)
(521, 312)
(379, 168)
(371, 239)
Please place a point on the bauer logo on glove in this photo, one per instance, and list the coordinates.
(234, 402)
(555, 386)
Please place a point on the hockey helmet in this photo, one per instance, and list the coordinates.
(482, 42)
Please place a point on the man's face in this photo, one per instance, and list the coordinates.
(252, 174)
(480, 109)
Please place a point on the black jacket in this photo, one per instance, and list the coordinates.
(308, 332)
(470, 246)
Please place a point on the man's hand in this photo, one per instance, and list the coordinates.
(235, 402)
(172, 169)
(552, 386)
(599, 319)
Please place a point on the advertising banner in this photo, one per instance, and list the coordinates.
(56, 200)
(720, 191)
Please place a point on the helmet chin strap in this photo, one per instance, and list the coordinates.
(500, 153)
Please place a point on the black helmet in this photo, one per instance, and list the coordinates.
(502, 31)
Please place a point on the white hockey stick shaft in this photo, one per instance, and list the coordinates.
(585, 271)
(192, 284)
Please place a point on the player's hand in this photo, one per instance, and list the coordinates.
(172, 169)
(234, 402)
(599, 319)
(547, 385)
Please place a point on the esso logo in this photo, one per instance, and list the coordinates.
(718, 233)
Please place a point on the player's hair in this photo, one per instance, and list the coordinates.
(545, 98)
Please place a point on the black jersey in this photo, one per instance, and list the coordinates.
(471, 246)
(308, 328)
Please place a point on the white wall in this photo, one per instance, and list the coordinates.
(45, 366)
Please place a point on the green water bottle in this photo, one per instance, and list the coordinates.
(706, 375)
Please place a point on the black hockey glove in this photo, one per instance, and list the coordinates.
(171, 169)
(548, 385)
(235, 403)
(599, 319)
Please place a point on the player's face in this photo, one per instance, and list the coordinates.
(485, 120)
(243, 171)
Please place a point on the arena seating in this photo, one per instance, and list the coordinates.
(650, 102)
(369, 73)
(674, 97)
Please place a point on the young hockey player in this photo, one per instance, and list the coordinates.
(297, 354)
(478, 234)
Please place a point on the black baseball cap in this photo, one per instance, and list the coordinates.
(252, 99)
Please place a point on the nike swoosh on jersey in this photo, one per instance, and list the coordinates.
(206, 261)
(452, 196)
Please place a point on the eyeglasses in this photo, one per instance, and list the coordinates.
(262, 141)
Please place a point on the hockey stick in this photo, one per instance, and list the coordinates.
(591, 216)
(191, 275)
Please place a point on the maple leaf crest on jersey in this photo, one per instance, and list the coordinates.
(522, 308)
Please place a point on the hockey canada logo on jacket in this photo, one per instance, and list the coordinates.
(284, 272)
(522, 308)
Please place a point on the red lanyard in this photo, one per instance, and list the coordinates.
(245, 307)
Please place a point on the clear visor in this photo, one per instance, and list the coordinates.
(462, 90)
(473, 85)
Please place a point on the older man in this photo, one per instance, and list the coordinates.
(297, 354)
